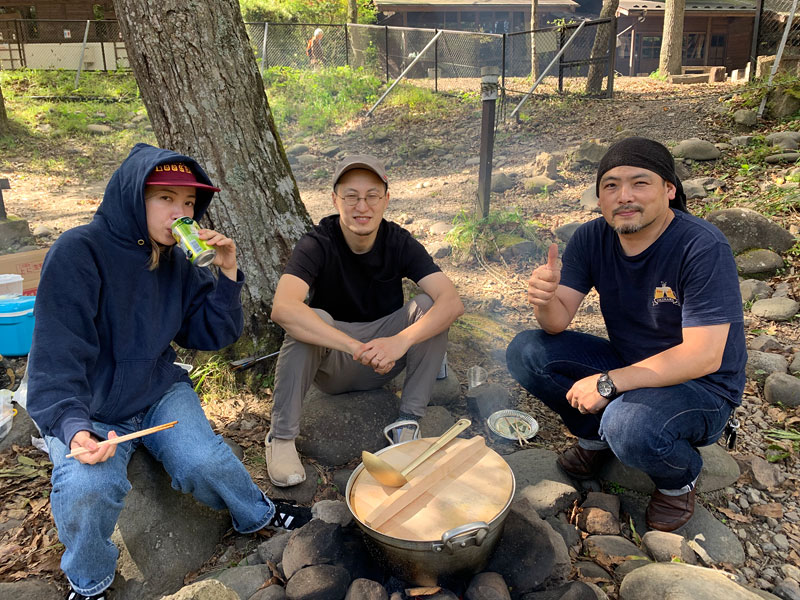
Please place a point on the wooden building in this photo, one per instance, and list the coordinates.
(488, 16)
(62, 10)
(715, 33)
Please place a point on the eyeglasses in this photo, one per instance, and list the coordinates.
(371, 199)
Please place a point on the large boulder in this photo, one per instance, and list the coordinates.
(675, 580)
(696, 149)
(541, 482)
(758, 263)
(747, 229)
(590, 152)
(162, 534)
(776, 309)
(334, 429)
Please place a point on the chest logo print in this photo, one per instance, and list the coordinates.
(664, 293)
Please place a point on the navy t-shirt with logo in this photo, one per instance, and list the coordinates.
(686, 278)
(358, 288)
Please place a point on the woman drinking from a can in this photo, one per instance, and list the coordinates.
(114, 294)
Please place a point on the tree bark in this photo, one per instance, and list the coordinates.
(199, 81)
(534, 25)
(597, 71)
(3, 115)
(352, 11)
(671, 56)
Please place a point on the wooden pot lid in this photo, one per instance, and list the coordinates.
(462, 483)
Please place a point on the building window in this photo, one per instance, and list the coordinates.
(694, 45)
(651, 46)
(716, 51)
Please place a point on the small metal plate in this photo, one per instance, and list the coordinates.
(505, 423)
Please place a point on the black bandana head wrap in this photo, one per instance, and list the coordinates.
(647, 154)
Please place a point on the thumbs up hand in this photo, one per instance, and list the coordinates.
(544, 281)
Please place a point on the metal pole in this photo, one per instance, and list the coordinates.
(406, 70)
(754, 44)
(489, 76)
(83, 50)
(103, 50)
(778, 56)
(386, 35)
(346, 49)
(561, 33)
(436, 67)
(612, 56)
(503, 68)
(264, 49)
(550, 66)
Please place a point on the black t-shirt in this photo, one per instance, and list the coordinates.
(358, 287)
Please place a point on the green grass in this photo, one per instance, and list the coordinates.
(313, 101)
(485, 235)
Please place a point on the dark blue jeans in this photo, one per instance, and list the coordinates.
(655, 430)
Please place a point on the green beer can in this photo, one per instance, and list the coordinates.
(184, 230)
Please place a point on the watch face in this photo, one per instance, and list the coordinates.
(604, 388)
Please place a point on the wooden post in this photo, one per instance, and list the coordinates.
(489, 77)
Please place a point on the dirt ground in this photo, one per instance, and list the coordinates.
(430, 182)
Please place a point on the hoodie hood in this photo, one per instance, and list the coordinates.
(123, 207)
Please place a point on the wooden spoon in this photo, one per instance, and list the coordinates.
(387, 475)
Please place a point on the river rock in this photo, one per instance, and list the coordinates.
(674, 580)
(440, 228)
(741, 140)
(776, 309)
(440, 249)
(334, 429)
(590, 152)
(565, 232)
(663, 547)
(754, 289)
(244, 581)
(610, 549)
(761, 364)
(547, 164)
(747, 229)
(502, 182)
(541, 482)
(574, 590)
(794, 367)
(589, 200)
(22, 429)
(99, 129)
(765, 343)
(332, 511)
(315, 543)
(785, 140)
(530, 554)
(696, 149)
(487, 586)
(694, 190)
(539, 183)
(207, 589)
(782, 157)
(600, 514)
(758, 263)
(763, 474)
(31, 589)
(745, 117)
(366, 589)
(296, 149)
(487, 398)
(782, 388)
(272, 592)
(272, 549)
(318, 582)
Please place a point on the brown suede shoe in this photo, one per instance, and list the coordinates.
(668, 513)
(580, 463)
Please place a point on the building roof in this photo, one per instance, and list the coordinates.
(384, 5)
(628, 6)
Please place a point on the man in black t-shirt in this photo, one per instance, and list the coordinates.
(356, 333)
(672, 370)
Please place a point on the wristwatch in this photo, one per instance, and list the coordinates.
(606, 387)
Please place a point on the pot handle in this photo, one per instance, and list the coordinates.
(452, 539)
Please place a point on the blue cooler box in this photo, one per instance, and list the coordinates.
(16, 325)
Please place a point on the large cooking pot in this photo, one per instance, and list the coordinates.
(447, 532)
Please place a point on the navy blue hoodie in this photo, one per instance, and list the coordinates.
(104, 322)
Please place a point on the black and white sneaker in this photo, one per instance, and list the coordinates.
(73, 595)
(289, 516)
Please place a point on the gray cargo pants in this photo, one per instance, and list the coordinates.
(335, 372)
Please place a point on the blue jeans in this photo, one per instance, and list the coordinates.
(87, 499)
(655, 430)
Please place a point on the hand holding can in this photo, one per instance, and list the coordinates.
(185, 232)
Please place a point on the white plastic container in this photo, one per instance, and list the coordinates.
(10, 285)
(6, 412)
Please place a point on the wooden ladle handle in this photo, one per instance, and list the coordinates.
(447, 436)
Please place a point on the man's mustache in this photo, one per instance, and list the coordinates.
(627, 208)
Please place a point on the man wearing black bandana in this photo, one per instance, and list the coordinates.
(672, 369)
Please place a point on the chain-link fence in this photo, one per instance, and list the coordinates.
(772, 20)
(70, 45)
(384, 51)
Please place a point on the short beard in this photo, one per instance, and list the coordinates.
(629, 228)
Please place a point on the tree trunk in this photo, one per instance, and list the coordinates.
(199, 81)
(602, 39)
(3, 116)
(670, 59)
(534, 20)
(352, 11)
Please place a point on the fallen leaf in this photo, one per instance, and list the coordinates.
(734, 516)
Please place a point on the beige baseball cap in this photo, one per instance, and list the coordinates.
(360, 161)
